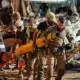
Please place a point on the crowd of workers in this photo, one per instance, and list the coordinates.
(35, 26)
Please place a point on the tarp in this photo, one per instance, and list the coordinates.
(54, 1)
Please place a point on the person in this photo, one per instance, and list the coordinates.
(13, 32)
(6, 23)
(58, 44)
(42, 26)
(20, 30)
(31, 26)
(43, 9)
(7, 11)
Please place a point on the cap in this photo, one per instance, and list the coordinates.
(51, 16)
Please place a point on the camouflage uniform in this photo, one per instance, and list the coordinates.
(57, 47)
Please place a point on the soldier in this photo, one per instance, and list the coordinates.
(60, 41)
